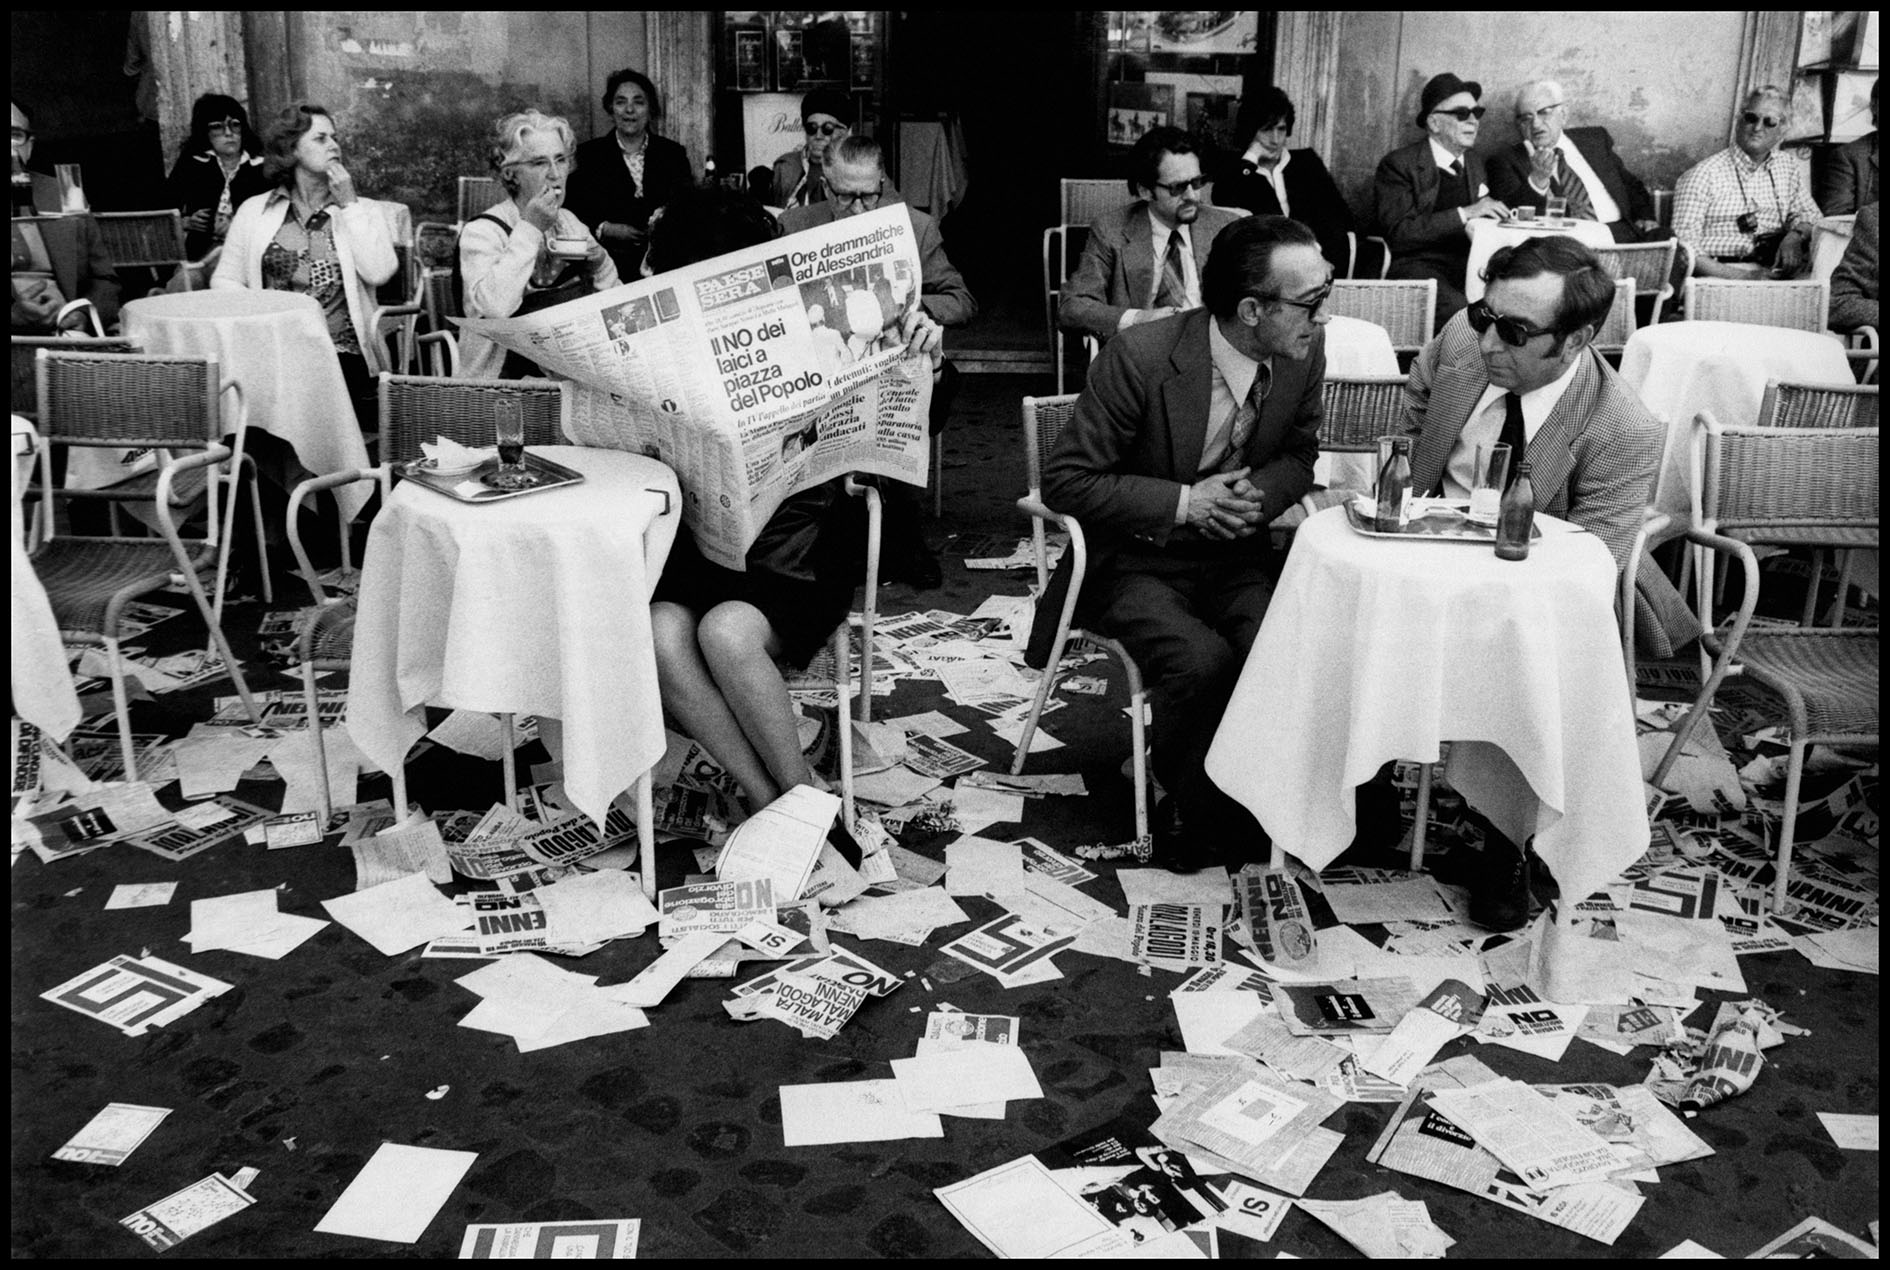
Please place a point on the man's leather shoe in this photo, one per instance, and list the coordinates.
(1499, 888)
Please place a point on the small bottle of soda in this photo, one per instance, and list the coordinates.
(1516, 519)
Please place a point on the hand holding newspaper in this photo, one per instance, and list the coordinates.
(754, 375)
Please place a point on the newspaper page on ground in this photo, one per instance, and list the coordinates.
(754, 375)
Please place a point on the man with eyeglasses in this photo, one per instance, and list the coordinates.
(797, 174)
(1143, 263)
(1519, 367)
(1190, 437)
(56, 259)
(1578, 164)
(855, 180)
(1426, 192)
(1745, 211)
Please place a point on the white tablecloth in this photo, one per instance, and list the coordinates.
(1488, 236)
(41, 682)
(1682, 368)
(276, 345)
(1355, 349)
(535, 605)
(1374, 650)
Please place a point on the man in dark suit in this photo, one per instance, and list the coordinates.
(1192, 434)
(56, 259)
(1578, 164)
(1426, 192)
(1850, 174)
(1518, 366)
(1144, 263)
(854, 181)
(1854, 283)
(1271, 180)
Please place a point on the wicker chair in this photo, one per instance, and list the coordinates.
(1358, 412)
(1619, 324)
(1799, 306)
(477, 193)
(1788, 485)
(1795, 405)
(144, 240)
(117, 400)
(1406, 309)
(1650, 265)
(25, 400)
(1044, 419)
(1084, 199)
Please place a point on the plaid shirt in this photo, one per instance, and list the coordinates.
(1714, 193)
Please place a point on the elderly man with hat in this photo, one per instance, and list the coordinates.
(825, 116)
(1426, 192)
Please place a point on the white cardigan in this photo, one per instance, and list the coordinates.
(362, 246)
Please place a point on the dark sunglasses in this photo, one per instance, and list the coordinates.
(1755, 120)
(1175, 189)
(823, 129)
(1311, 306)
(1513, 331)
(1462, 113)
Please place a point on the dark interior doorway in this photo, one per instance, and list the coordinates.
(1024, 88)
(68, 69)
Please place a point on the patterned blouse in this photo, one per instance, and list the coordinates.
(302, 258)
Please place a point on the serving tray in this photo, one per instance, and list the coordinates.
(1443, 521)
(470, 486)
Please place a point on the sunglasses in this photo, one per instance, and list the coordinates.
(1513, 331)
(1311, 306)
(1756, 120)
(1463, 113)
(1175, 189)
(823, 129)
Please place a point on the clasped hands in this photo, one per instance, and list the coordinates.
(1225, 505)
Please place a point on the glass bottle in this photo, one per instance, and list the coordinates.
(1394, 488)
(1516, 519)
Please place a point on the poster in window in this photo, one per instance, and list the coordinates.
(865, 62)
(1136, 108)
(751, 61)
(1209, 31)
(790, 64)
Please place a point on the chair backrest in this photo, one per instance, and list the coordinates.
(1788, 479)
(142, 239)
(1649, 264)
(1619, 324)
(1800, 305)
(1794, 405)
(476, 194)
(1360, 410)
(1085, 199)
(25, 378)
(416, 408)
(1407, 309)
(128, 399)
(1044, 421)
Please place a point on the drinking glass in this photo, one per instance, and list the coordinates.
(71, 187)
(1492, 474)
(1556, 207)
(508, 429)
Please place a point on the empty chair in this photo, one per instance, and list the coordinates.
(1620, 322)
(145, 240)
(1405, 308)
(1788, 404)
(1044, 419)
(1650, 265)
(1800, 306)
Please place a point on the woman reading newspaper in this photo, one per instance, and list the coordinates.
(719, 633)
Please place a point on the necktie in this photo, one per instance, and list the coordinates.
(1513, 435)
(1245, 418)
(1570, 187)
(1459, 192)
(1173, 292)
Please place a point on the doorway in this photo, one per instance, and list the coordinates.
(69, 70)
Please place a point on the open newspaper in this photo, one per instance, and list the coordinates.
(754, 375)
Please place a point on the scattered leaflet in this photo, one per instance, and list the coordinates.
(248, 922)
(1041, 859)
(141, 895)
(399, 850)
(817, 1006)
(184, 1213)
(950, 1030)
(851, 1111)
(1006, 947)
(201, 827)
(135, 994)
(1362, 896)
(655, 980)
(1308, 1058)
(905, 917)
(781, 842)
(113, 1134)
(1252, 1212)
(1273, 913)
(612, 1239)
(399, 915)
(1631, 1119)
(832, 880)
(1814, 1237)
(929, 756)
(1227, 977)
(1450, 1010)
(594, 907)
(100, 816)
(1545, 1145)
(1382, 1226)
(726, 907)
(397, 1194)
(1344, 1007)
(1263, 1128)
(1018, 1210)
(1176, 936)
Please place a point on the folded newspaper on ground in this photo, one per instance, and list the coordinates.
(754, 375)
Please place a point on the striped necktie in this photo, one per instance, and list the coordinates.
(1245, 418)
(1173, 292)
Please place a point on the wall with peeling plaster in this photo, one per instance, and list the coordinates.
(1662, 83)
(415, 93)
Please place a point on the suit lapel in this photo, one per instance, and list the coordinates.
(1460, 382)
(1138, 257)
(1187, 396)
(1606, 166)
(1200, 241)
(1551, 451)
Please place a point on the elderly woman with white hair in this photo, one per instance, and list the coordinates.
(1746, 211)
(528, 252)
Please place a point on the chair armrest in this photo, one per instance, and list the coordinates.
(1384, 268)
(446, 340)
(79, 308)
(1723, 663)
(299, 495)
(209, 456)
(1031, 505)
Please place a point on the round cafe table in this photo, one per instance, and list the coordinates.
(41, 682)
(1682, 368)
(276, 345)
(1375, 649)
(538, 604)
(1487, 236)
